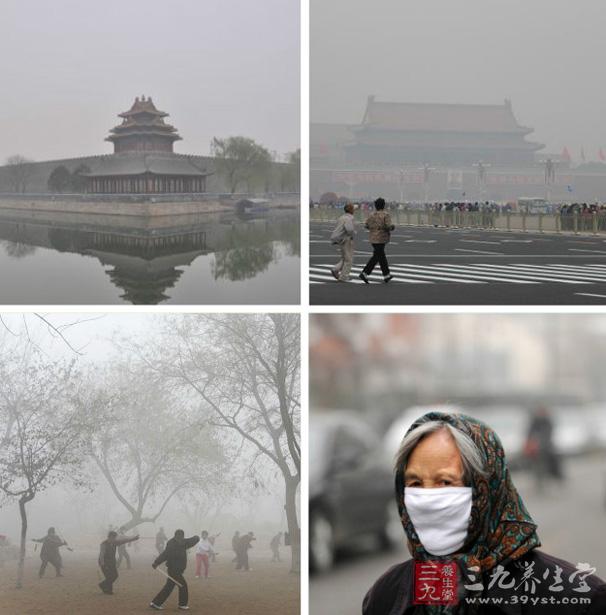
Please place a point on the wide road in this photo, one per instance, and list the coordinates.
(451, 266)
(571, 519)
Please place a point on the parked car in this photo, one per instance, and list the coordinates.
(351, 488)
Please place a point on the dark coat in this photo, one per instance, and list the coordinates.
(175, 554)
(392, 593)
(107, 551)
(50, 547)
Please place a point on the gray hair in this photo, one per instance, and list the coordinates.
(471, 457)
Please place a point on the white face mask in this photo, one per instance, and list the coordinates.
(440, 517)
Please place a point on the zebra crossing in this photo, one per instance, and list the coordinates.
(476, 273)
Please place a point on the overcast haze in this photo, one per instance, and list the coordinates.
(219, 67)
(545, 55)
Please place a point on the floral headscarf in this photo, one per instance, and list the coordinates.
(500, 528)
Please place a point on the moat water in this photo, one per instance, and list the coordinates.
(190, 260)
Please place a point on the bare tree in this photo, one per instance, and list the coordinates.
(246, 369)
(146, 448)
(20, 170)
(44, 434)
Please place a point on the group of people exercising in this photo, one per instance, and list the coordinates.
(171, 552)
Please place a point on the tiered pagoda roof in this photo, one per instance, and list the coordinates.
(143, 129)
(437, 117)
(400, 133)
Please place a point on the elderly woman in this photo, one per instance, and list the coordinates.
(474, 544)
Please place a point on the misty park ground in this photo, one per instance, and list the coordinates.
(267, 588)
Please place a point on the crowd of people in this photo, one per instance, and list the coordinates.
(564, 209)
(172, 554)
(366, 205)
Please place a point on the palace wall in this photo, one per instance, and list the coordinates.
(37, 181)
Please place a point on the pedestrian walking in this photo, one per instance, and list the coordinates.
(343, 238)
(107, 559)
(49, 553)
(175, 557)
(379, 226)
(540, 448)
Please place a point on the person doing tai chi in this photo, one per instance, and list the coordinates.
(49, 553)
(175, 556)
(204, 552)
(107, 559)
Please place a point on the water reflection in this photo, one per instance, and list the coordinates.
(145, 258)
(16, 249)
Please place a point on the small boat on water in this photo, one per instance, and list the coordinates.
(252, 206)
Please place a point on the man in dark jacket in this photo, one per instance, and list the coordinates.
(107, 559)
(49, 554)
(175, 556)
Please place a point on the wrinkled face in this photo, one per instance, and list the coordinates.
(435, 462)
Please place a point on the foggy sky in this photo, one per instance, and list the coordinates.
(545, 55)
(219, 67)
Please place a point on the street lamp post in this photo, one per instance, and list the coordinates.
(481, 168)
(426, 176)
(402, 179)
(550, 174)
(350, 182)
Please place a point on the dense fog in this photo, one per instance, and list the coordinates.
(142, 423)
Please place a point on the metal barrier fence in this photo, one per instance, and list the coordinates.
(594, 222)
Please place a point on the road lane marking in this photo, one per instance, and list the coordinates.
(376, 277)
(479, 252)
(530, 275)
(592, 251)
(447, 270)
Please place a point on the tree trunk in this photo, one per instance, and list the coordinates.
(293, 525)
(23, 500)
(134, 522)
